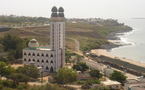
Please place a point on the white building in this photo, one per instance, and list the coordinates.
(112, 84)
(52, 58)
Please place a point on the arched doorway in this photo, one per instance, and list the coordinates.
(51, 69)
(47, 68)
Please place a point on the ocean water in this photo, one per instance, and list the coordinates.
(135, 41)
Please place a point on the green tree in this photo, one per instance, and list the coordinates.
(29, 70)
(95, 73)
(1, 48)
(6, 70)
(118, 76)
(67, 56)
(19, 77)
(11, 55)
(14, 45)
(80, 67)
(9, 70)
(2, 69)
(66, 75)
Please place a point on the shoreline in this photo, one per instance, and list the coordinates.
(104, 52)
(115, 42)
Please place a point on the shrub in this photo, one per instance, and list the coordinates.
(1, 86)
(90, 82)
(7, 83)
(20, 87)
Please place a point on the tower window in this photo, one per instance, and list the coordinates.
(29, 54)
(51, 61)
(42, 54)
(51, 55)
(42, 60)
(38, 60)
(46, 55)
(46, 61)
(29, 60)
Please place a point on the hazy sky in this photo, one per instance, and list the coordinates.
(75, 8)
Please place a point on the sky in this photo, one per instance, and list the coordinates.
(75, 8)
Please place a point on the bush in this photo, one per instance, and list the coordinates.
(25, 86)
(19, 87)
(80, 82)
(90, 82)
(7, 83)
(1, 86)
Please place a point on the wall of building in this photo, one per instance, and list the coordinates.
(40, 58)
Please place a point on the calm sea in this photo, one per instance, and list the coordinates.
(135, 48)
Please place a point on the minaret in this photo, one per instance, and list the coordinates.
(57, 34)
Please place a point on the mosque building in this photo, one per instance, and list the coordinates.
(52, 58)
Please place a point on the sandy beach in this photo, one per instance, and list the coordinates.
(105, 53)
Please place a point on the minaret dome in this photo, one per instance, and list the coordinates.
(60, 9)
(54, 9)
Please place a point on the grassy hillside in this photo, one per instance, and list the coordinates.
(90, 36)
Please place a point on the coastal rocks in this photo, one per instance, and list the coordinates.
(114, 40)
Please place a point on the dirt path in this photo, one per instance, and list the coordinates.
(77, 44)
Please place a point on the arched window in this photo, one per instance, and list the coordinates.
(51, 61)
(46, 61)
(29, 60)
(46, 55)
(38, 60)
(42, 60)
(24, 53)
(33, 54)
(29, 54)
(42, 66)
(42, 54)
(34, 60)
